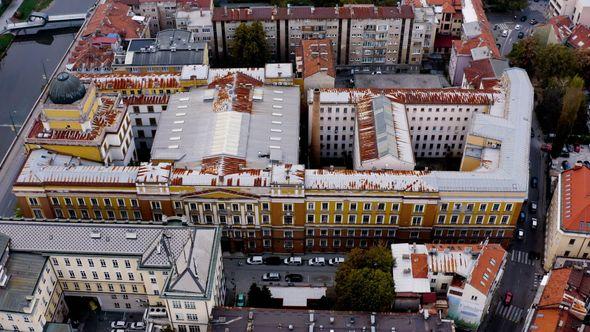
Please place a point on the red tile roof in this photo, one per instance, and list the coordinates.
(561, 27)
(317, 55)
(234, 89)
(575, 199)
(119, 81)
(477, 71)
(486, 38)
(446, 96)
(146, 100)
(113, 17)
(308, 12)
(580, 37)
(89, 56)
(487, 267)
(366, 129)
(419, 265)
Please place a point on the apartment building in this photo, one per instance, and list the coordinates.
(577, 10)
(567, 234)
(363, 36)
(199, 22)
(314, 63)
(76, 121)
(173, 274)
(467, 274)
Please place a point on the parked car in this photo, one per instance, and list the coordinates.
(534, 223)
(293, 260)
(336, 261)
(504, 33)
(294, 277)
(254, 260)
(517, 27)
(533, 207)
(534, 182)
(521, 36)
(271, 276)
(522, 216)
(241, 300)
(546, 147)
(317, 261)
(120, 324)
(508, 298)
(273, 260)
(533, 21)
(523, 18)
(138, 326)
(520, 234)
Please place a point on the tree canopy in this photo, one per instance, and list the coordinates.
(364, 281)
(572, 101)
(249, 47)
(506, 5)
(260, 297)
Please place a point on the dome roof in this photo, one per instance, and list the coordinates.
(66, 89)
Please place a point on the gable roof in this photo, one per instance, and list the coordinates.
(317, 56)
(575, 199)
(113, 17)
(580, 37)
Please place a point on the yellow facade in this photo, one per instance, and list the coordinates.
(91, 153)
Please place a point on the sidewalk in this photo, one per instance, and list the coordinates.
(8, 13)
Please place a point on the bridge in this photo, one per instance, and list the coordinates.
(38, 21)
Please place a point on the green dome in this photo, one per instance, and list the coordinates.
(66, 89)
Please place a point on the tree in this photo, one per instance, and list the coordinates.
(555, 60)
(507, 5)
(523, 54)
(550, 101)
(364, 281)
(572, 101)
(583, 60)
(260, 297)
(249, 47)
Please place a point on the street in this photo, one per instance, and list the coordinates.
(239, 275)
(523, 271)
(505, 21)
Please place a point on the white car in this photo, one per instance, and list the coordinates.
(517, 27)
(293, 261)
(336, 261)
(534, 223)
(254, 260)
(119, 324)
(321, 261)
(118, 330)
(520, 234)
(504, 33)
(138, 326)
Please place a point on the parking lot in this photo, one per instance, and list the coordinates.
(582, 155)
(239, 275)
(102, 321)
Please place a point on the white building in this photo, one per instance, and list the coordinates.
(467, 274)
(171, 273)
(577, 10)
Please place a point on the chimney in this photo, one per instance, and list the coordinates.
(315, 128)
(224, 10)
(288, 9)
(312, 9)
(336, 9)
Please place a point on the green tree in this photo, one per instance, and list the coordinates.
(549, 103)
(506, 5)
(249, 47)
(572, 101)
(583, 60)
(555, 60)
(364, 281)
(523, 54)
(260, 297)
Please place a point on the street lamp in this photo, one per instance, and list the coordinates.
(13, 125)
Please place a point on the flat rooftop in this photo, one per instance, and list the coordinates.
(24, 270)
(236, 319)
(392, 81)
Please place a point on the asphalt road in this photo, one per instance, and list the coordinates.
(506, 21)
(239, 275)
(522, 272)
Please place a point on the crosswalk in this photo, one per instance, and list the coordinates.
(511, 313)
(502, 26)
(520, 257)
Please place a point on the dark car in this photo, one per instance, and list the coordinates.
(273, 260)
(522, 216)
(521, 36)
(523, 18)
(294, 277)
(533, 22)
(534, 182)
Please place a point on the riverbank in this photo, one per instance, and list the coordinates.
(29, 6)
(5, 41)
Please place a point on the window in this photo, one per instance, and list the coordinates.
(479, 220)
(492, 220)
(338, 219)
(454, 219)
(444, 207)
(572, 242)
(107, 276)
(466, 219)
(419, 208)
(441, 219)
(508, 207)
(287, 207)
(311, 206)
(566, 253)
(352, 219)
(416, 221)
(505, 220)
(395, 207)
(115, 263)
(366, 218)
(483, 207)
(325, 206)
(352, 206)
(176, 304)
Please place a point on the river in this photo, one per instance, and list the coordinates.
(24, 68)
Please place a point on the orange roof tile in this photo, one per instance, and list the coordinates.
(575, 199)
(419, 265)
(580, 37)
(477, 71)
(561, 27)
(317, 56)
(87, 56)
(487, 267)
(113, 17)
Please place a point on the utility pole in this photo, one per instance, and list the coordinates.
(12, 121)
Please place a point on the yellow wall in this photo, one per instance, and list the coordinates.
(85, 152)
(468, 164)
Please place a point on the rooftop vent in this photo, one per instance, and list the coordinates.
(95, 235)
(131, 235)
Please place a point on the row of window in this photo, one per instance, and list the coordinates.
(106, 202)
(99, 287)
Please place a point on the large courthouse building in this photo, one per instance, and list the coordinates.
(226, 152)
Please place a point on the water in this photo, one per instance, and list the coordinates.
(23, 69)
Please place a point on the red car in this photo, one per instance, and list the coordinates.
(546, 147)
(508, 298)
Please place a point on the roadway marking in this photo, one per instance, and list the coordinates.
(511, 313)
(502, 26)
(520, 257)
